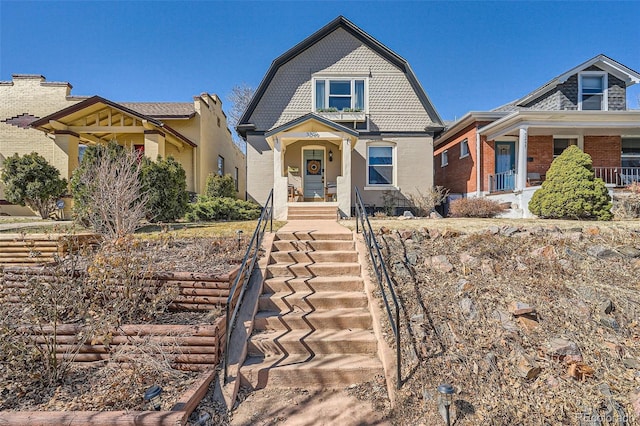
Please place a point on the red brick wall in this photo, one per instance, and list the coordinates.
(459, 175)
(488, 162)
(540, 148)
(604, 150)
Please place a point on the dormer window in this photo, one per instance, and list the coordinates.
(592, 91)
(340, 95)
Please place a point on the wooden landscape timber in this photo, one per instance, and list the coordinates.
(29, 249)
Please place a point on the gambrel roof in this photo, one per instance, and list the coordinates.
(343, 23)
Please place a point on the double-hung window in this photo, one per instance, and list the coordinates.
(380, 165)
(444, 158)
(339, 94)
(593, 93)
(560, 144)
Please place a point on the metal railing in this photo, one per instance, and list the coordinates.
(504, 181)
(384, 282)
(236, 293)
(618, 176)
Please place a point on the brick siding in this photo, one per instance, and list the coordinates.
(459, 176)
(604, 150)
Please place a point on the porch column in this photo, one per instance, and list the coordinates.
(343, 183)
(521, 182)
(279, 183)
(154, 144)
(65, 152)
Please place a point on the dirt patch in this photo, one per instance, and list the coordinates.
(531, 324)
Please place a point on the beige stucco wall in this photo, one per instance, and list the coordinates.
(393, 104)
(259, 169)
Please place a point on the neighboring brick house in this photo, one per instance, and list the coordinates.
(339, 110)
(505, 153)
(41, 116)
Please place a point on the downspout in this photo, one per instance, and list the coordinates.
(478, 165)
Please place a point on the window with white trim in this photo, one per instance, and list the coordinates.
(380, 165)
(340, 94)
(444, 158)
(630, 152)
(592, 88)
(236, 178)
(464, 148)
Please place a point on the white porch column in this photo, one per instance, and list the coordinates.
(521, 182)
(279, 183)
(343, 183)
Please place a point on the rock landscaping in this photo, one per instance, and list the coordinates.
(532, 325)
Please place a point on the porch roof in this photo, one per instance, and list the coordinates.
(311, 127)
(592, 123)
(97, 119)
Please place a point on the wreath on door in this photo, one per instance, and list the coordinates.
(313, 167)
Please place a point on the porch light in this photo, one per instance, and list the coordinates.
(446, 398)
(330, 155)
(152, 397)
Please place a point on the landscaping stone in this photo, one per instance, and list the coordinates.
(494, 230)
(601, 252)
(573, 253)
(548, 252)
(564, 350)
(508, 231)
(469, 260)
(435, 215)
(464, 285)
(573, 236)
(506, 320)
(439, 263)
(629, 251)
(384, 230)
(520, 308)
(606, 307)
(408, 214)
(631, 363)
(528, 323)
(610, 323)
(412, 258)
(417, 318)
(614, 349)
(405, 234)
(527, 367)
(468, 308)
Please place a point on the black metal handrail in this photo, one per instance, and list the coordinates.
(244, 274)
(384, 282)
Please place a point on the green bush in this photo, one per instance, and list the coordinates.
(222, 208)
(475, 207)
(31, 181)
(571, 190)
(220, 186)
(165, 183)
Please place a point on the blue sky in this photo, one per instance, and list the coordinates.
(467, 55)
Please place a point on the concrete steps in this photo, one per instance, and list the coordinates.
(312, 212)
(313, 327)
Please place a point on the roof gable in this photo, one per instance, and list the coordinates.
(339, 23)
(603, 62)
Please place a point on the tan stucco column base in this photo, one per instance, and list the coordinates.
(154, 144)
(343, 182)
(65, 152)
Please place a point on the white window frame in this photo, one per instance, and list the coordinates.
(464, 142)
(569, 137)
(605, 88)
(394, 164)
(328, 78)
(628, 156)
(444, 158)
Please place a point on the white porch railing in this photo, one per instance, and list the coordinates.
(504, 181)
(618, 176)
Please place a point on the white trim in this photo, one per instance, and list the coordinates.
(352, 77)
(394, 164)
(381, 188)
(605, 88)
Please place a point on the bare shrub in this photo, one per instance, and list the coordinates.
(627, 205)
(426, 202)
(114, 203)
(475, 207)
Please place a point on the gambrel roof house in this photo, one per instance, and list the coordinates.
(505, 153)
(339, 110)
(41, 116)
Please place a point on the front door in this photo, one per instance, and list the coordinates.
(505, 166)
(313, 163)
